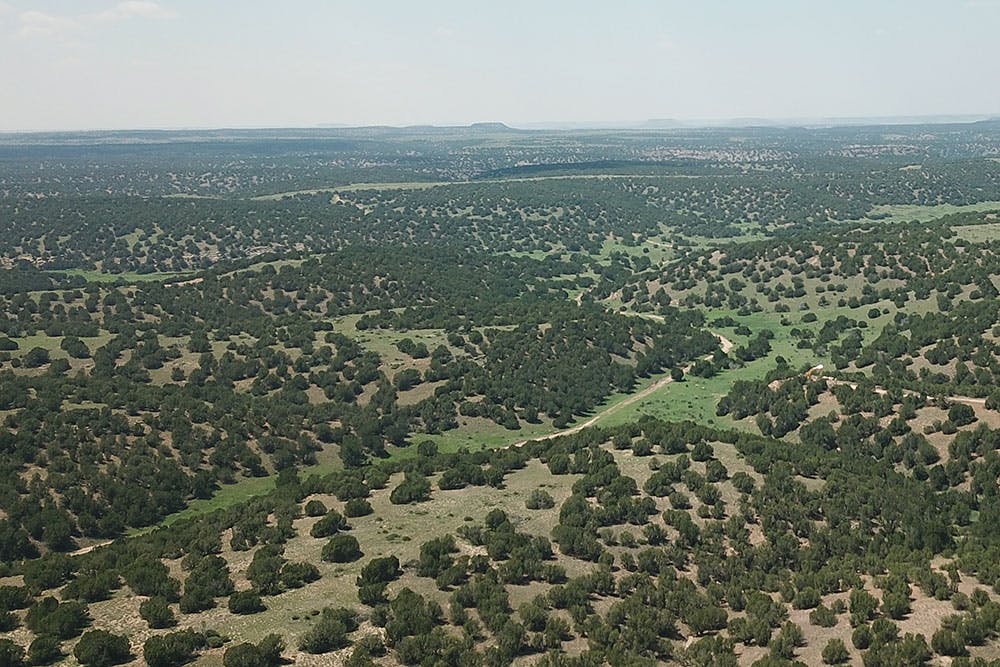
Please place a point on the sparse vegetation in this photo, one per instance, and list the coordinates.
(561, 404)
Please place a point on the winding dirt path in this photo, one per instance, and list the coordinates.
(968, 400)
(724, 343)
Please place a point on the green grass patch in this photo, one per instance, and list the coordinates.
(484, 435)
(908, 212)
(488, 435)
(52, 343)
(354, 187)
(657, 251)
(979, 233)
(234, 494)
(695, 398)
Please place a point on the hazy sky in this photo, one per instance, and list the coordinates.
(73, 64)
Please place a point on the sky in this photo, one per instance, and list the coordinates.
(108, 64)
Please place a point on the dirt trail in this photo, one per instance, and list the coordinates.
(89, 548)
(724, 343)
(183, 283)
(968, 400)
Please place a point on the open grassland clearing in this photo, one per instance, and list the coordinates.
(984, 233)
(907, 212)
(127, 277)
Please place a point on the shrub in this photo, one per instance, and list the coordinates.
(245, 602)
(539, 499)
(49, 571)
(342, 549)
(861, 637)
(357, 507)
(413, 489)
(835, 652)
(331, 524)
(8, 621)
(702, 451)
(806, 598)
(151, 578)
(743, 482)
(380, 571)
(265, 654)
(64, 620)
(173, 649)
(35, 357)
(92, 587)
(14, 597)
(271, 648)
(435, 556)
(961, 414)
(243, 655)
(75, 347)
(156, 612)
(679, 501)
(863, 606)
(330, 631)
(11, 655)
(823, 616)
(208, 580)
(296, 575)
(372, 595)
(44, 650)
(315, 508)
(948, 642)
(895, 605)
(100, 648)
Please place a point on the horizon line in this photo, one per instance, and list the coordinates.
(735, 122)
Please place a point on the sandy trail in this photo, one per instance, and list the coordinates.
(89, 548)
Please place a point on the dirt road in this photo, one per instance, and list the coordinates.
(968, 400)
(724, 343)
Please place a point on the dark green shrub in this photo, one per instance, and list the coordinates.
(100, 648)
(157, 613)
(245, 602)
(835, 653)
(315, 508)
(173, 649)
(342, 549)
(357, 507)
(539, 499)
(11, 655)
(45, 650)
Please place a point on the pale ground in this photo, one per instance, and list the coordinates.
(399, 530)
